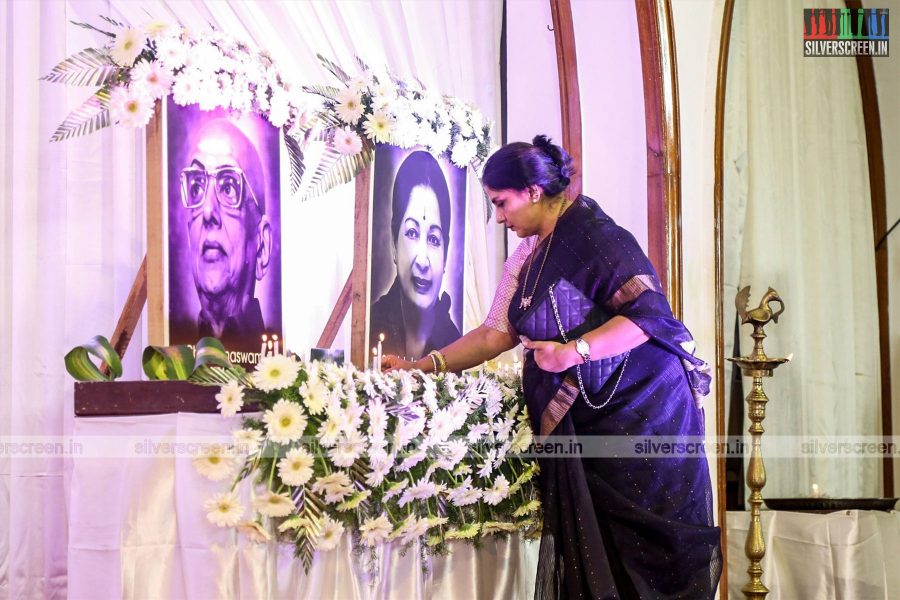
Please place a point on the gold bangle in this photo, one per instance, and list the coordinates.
(434, 362)
(441, 365)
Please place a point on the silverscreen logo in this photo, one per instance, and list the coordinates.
(846, 32)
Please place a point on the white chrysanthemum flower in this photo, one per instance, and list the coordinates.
(171, 52)
(351, 416)
(349, 447)
(378, 418)
(420, 490)
(335, 487)
(502, 429)
(464, 494)
(407, 430)
(476, 432)
(130, 106)
(216, 463)
(224, 510)
(347, 141)
(279, 109)
(411, 529)
(275, 372)
(128, 45)
(152, 78)
(375, 531)
(314, 395)
(247, 441)
(254, 531)
(378, 126)
(329, 431)
(349, 106)
(451, 453)
(330, 534)
(271, 504)
(230, 398)
(487, 467)
(285, 422)
(412, 460)
(296, 467)
(380, 462)
(497, 492)
(185, 90)
(464, 152)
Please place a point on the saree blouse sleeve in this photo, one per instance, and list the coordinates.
(498, 316)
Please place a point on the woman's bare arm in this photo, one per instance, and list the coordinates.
(474, 348)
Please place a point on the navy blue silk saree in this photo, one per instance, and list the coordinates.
(618, 525)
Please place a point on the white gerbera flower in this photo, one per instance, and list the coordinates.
(254, 531)
(347, 141)
(381, 463)
(152, 77)
(130, 106)
(230, 398)
(491, 527)
(522, 439)
(279, 109)
(275, 372)
(224, 510)
(469, 530)
(330, 535)
(128, 45)
(215, 464)
(378, 418)
(412, 460)
(497, 492)
(271, 504)
(476, 432)
(335, 487)
(157, 29)
(296, 467)
(375, 531)
(349, 106)
(185, 90)
(328, 432)
(411, 529)
(285, 421)
(247, 441)
(378, 126)
(314, 395)
(451, 453)
(488, 465)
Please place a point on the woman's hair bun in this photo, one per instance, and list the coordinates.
(560, 158)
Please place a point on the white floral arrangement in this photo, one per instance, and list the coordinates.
(140, 65)
(399, 458)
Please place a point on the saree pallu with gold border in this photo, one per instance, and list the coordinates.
(619, 524)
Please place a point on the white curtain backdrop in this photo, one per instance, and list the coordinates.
(798, 218)
(73, 213)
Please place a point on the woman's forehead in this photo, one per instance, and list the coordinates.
(423, 206)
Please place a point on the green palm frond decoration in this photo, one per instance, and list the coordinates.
(92, 28)
(335, 169)
(92, 115)
(329, 92)
(112, 21)
(88, 67)
(168, 362)
(333, 68)
(295, 155)
(363, 67)
(305, 526)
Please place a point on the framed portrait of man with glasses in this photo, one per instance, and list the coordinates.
(223, 228)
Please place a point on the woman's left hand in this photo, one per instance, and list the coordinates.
(550, 356)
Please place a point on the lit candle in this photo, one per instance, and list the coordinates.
(269, 348)
(275, 337)
(262, 351)
(815, 490)
(380, 339)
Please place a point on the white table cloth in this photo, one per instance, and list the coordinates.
(137, 529)
(847, 555)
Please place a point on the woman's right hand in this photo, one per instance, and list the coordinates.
(392, 362)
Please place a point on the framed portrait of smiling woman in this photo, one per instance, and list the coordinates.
(222, 216)
(418, 249)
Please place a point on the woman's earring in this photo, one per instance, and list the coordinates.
(534, 199)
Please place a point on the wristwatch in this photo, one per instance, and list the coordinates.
(583, 349)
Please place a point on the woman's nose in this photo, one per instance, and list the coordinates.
(421, 262)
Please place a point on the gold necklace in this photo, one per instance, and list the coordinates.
(525, 301)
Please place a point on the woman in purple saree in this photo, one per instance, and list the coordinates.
(605, 361)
